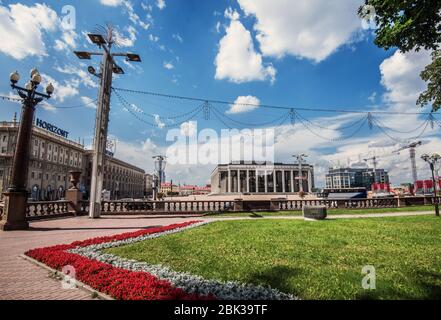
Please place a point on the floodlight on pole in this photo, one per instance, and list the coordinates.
(97, 39)
(108, 67)
(83, 55)
(133, 57)
(432, 161)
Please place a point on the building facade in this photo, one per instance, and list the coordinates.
(122, 179)
(342, 178)
(52, 157)
(254, 178)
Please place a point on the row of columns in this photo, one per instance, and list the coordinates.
(266, 174)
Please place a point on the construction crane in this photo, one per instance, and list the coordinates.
(375, 163)
(411, 146)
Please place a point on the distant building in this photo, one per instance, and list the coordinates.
(242, 177)
(122, 179)
(52, 157)
(167, 187)
(188, 190)
(341, 178)
(426, 186)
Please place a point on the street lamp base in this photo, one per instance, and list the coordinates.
(13, 226)
(14, 216)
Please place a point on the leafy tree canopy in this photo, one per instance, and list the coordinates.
(411, 25)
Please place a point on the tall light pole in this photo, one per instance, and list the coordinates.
(432, 161)
(300, 159)
(160, 163)
(17, 194)
(108, 67)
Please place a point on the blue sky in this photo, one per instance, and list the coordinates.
(301, 53)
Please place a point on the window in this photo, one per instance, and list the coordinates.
(3, 150)
(4, 138)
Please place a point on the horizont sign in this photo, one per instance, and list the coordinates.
(49, 127)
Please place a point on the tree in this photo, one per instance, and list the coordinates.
(411, 25)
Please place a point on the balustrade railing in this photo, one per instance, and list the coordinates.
(47, 209)
(53, 209)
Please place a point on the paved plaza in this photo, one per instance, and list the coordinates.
(22, 280)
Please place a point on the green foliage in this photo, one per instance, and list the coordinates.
(412, 25)
(314, 260)
(432, 75)
(407, 25)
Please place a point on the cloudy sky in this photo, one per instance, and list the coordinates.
(313, 54)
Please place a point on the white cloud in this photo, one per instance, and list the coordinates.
(67, 89)
(22, 28)
(128, 41)
(400, 75)
(244, 104)
(67, 41)
(83, 75)
(237, 60)
(158, 121)
(89, 102)
(153, 38)
(312, 29)
(178, 37)
(112, 3)
(130, 11)
(160, 4)
(168, 65)
(218, 27)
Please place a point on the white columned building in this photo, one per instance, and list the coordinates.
(262, 178)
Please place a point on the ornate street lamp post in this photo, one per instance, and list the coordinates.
(160, 163)
(432, 161)
(17, 194)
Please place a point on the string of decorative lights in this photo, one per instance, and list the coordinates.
(229, 103)
(158, 124)
(284, 116)
(294, 116)
(357, 130)
(139, 110)
(353, 124)
(83, 105)
(403, 132)
(398, 139)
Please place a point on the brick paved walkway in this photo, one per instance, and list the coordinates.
(20, 279)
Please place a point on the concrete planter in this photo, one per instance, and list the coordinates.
(315, 212)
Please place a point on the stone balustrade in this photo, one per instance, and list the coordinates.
(55, 209)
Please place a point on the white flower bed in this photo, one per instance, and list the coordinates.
(230, 290)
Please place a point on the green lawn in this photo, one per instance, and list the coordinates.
(313, 260)
(330, 212)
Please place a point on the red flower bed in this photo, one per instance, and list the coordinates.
(119, 283)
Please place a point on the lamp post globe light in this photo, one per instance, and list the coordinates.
(14, 217)
(433, 160)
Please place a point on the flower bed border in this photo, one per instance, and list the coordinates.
(132, 280)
